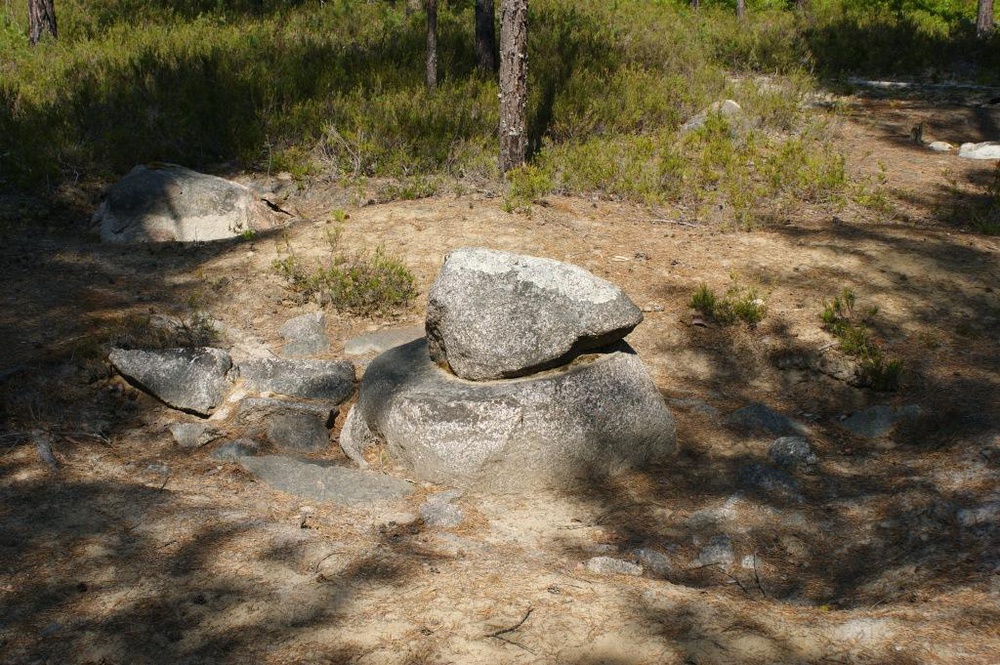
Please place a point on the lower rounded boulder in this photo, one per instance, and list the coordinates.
(597, 416)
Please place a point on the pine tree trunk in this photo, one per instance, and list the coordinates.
(513, 83)
(486, 41)
(432, 46)
(41, 19)
(984, 19)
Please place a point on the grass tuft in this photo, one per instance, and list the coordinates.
(740, 304)
(850, 328)
(364, 284)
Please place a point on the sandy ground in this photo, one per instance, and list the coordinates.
(132, 550)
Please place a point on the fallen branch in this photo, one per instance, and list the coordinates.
(675, 221)
(499, 634)
(756, 576)
(517, 625)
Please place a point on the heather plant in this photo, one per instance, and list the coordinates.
(336, 89)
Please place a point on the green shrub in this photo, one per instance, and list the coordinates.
(740, 303)
(364, 284)
(850, 328)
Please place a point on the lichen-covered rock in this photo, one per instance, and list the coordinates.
(493, 315)
(598, 416)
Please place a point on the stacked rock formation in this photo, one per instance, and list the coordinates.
(522, 380)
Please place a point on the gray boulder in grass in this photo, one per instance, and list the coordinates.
(599, 415)
(166, 202)
(493, 314)
(190, 379)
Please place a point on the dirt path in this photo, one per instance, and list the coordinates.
(136, 551)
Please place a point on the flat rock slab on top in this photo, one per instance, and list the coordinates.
(192, 380)
(493, 315)
(167, 202)
(597, 417)
(331, 380)
(322, 481)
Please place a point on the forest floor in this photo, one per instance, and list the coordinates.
(124, 548)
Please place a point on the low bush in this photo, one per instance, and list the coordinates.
(367, 283)
(740, 304)
(850, 328)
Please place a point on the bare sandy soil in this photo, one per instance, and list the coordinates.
(124, 548)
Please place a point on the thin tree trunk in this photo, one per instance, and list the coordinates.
(513, 83)
(486, 40)
(41, 19)
(741, 9)
(984, 19)
(432, 46)
(695, 4)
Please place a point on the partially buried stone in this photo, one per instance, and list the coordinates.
(793, 452)
(295, 426)
(761, 418)
(322, 481)
(305, 335)
(193, 435)
(493, 315)
(233, 450)
(191, 380)
(606, 565)
(330, 380)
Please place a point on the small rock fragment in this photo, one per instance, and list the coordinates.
(193, 435)
(718, 551)
(793, 452)
(232, 451)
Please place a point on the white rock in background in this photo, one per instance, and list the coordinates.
(985, 150)
(940, 146)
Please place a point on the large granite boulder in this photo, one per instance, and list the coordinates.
(599, 415)
(493, 315)
(190, 379)
(166, 202)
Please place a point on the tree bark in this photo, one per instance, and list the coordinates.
(486, 40)
(741, 9)
(513, 83)
(432, 45)
(41, 19)
(984, 19)
(695, 4)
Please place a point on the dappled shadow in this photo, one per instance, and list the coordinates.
(888, 42)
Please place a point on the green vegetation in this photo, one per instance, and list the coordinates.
(740, 303)
(851, 330)
(985, 216)
(366, 284)
(336, 88)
